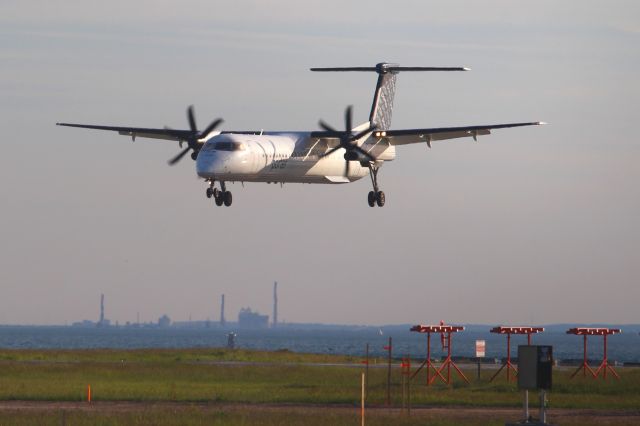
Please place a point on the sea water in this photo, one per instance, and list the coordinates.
(623, 347)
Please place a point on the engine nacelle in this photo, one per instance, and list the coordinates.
(381, 151)
(351, 156)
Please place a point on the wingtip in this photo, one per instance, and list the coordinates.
(466, 69)
(542, 123)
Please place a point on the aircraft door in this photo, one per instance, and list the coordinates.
(267, 153)
(259, 157)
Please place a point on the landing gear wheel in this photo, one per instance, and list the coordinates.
(209, 192)
(375, 196)
(371, 199)
(228, 198)
(219, 199)
(216, 192)
(194, 156)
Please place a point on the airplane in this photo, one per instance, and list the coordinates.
(327, 156)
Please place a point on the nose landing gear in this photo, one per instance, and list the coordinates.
(220, 196)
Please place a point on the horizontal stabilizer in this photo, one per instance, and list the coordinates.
(385, 68)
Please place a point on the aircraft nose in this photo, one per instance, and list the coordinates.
(209, 163)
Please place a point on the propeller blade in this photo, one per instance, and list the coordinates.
(211, 128)
(331, 151)
(364, 132)
(365, 153)
(178, 157)
(192, 119)
(326, 127)
(347, 140)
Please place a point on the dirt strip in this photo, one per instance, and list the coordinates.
(556, 415)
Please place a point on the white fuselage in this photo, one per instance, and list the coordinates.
(281, 157)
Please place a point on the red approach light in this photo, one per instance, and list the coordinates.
(509, 330)
(448, 362)
(437, 328)
(604, 365)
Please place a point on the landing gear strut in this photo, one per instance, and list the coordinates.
(376, 196)
(220, 196)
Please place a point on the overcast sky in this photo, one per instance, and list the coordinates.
(530, 225)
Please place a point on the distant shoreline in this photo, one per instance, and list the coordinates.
(332, 339)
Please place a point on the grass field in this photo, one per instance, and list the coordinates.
(303, 388)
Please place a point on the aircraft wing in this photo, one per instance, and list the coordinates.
(408, 136)
(330, 138)
(138, 132)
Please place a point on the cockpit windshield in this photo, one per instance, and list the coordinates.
(230, 146)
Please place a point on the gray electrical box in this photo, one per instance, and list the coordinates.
(535, 364)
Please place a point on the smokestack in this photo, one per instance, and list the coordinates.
(222, 321)
(275, 304)
(101, 322)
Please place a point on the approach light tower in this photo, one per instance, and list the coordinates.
(222, 321)
(275, 304)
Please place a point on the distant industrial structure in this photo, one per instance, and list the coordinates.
(275, 304)
(101, 322)
(249, 319)
(222, 320)
(164, 321)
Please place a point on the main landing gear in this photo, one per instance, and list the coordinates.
(376, 196)
(220, 196)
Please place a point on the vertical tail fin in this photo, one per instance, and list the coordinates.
(382, 107)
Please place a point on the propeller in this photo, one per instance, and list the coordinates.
(194, 136)
(348, 141)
